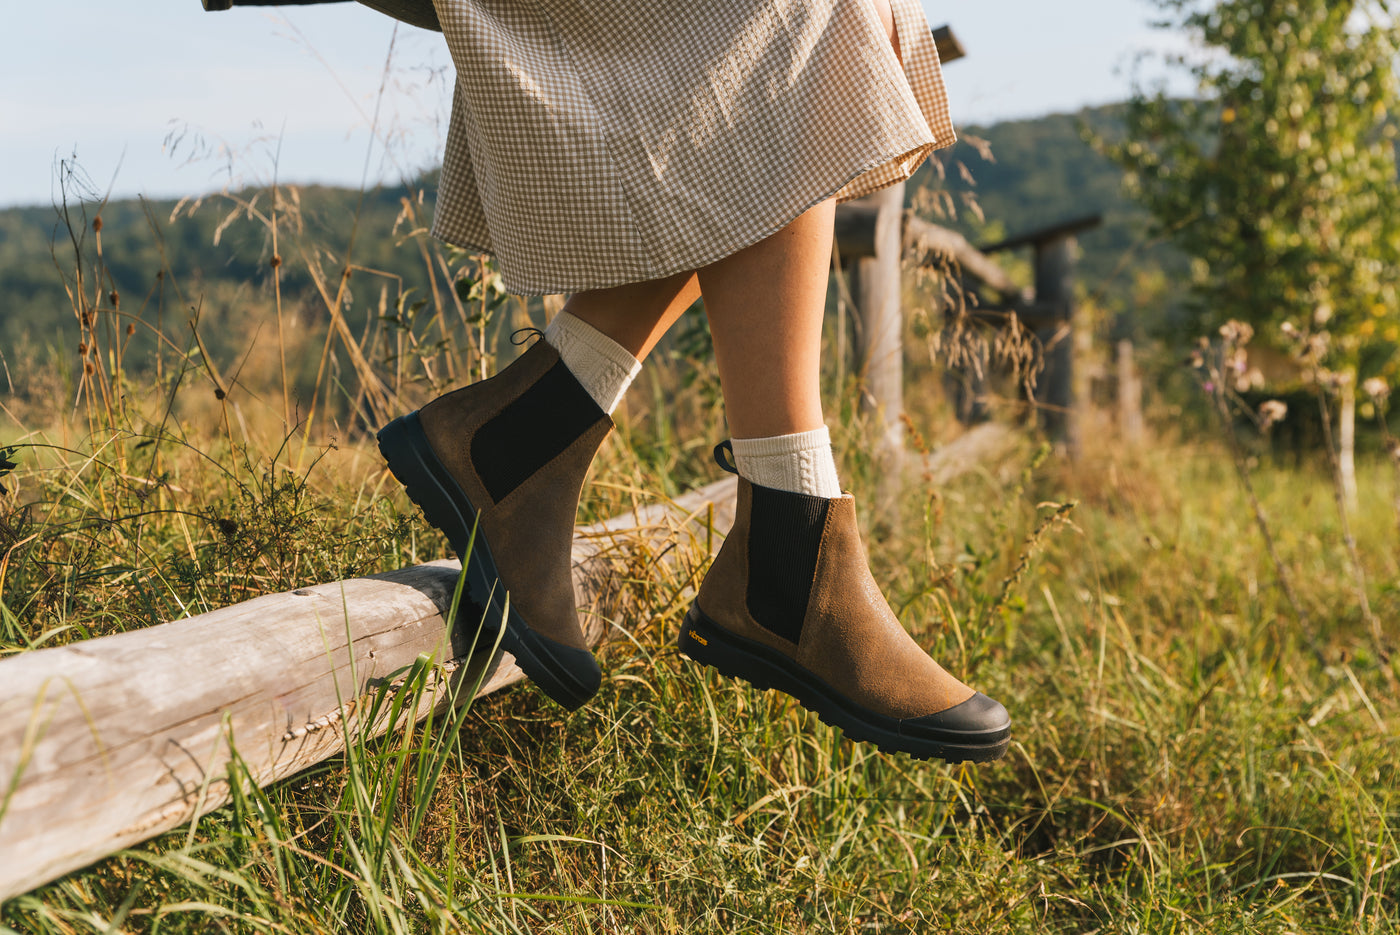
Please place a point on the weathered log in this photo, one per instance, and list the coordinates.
(111, 741)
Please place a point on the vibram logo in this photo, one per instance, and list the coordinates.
(698, 638)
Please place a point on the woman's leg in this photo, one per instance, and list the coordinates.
(789, 602)
(638, 314)
(765, 306)
(499, 465)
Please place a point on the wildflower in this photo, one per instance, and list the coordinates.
(1236, 332)
(1314, 349)
(1271, 412)
(1332, 379)
(1377, 389)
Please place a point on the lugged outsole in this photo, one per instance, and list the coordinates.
(736, 657)
(569, 676)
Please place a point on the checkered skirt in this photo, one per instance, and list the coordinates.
(601, 142)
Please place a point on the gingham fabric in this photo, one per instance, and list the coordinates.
(600, 142)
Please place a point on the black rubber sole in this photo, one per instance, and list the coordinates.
(568, 675)
(705, 641)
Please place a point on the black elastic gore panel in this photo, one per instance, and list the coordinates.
(532, 431)
(785, 535)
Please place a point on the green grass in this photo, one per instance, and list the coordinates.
(1183, 761)
(1186, 756)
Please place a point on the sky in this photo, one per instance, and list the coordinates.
(159, 97)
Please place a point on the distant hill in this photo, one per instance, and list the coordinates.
(1043, 173)
(217, 254)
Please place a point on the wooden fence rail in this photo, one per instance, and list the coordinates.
(111, 741)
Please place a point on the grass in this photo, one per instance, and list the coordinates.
(1185, 757)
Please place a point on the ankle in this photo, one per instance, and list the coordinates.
(798, 463)
(604, 367)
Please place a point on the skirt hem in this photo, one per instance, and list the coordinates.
(909, 160)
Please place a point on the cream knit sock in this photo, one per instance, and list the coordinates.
(800, 463)
(603, 366)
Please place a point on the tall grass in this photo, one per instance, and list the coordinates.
(1185, 757)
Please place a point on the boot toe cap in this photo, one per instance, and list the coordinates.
(979, 719)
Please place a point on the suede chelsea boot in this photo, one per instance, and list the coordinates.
(498, 467)
(789, 603)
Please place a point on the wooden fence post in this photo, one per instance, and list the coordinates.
(1054, 294)
(1053, 314)
(1130, 426)
(879, 345)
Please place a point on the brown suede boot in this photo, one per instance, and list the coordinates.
(789, 603)
(503, 460)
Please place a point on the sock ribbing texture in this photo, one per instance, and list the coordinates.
(798, 463)
(604, 367)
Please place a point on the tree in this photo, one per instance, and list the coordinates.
(1279, 182)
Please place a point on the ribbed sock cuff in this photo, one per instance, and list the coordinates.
(603, 366)
(799, 463)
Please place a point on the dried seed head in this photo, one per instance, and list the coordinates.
(130, 328)
(88, 368)
(82, 348)
(115, 298)
(1271, 412)
(97, 224)
(1377, 389)
(1236, 332)
(276, 261)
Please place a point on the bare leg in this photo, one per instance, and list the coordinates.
(765, 307)
(638, 314)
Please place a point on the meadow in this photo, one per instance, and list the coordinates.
(1190, 754)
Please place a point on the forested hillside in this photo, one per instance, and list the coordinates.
(171, 259)
(218, 256)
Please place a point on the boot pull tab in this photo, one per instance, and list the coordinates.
(723, 449)
(520, 335)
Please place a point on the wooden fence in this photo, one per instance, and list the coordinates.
(108, 742)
